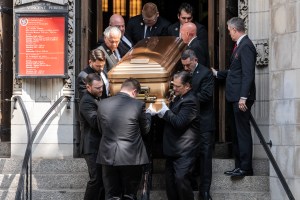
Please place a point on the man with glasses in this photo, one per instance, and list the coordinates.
(185, 14)
(148, 24)
(181, 137)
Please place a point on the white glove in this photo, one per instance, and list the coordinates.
(215, 72)
(151, 110)
(163, 110)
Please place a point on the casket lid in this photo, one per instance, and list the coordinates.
(154, 57)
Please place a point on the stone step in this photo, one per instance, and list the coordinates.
(75, 194)
(154, 195)
(47, 181)
(219, 195)
(69, 165)
(260, 166)
(222, 182)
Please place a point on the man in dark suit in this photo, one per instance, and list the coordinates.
(113, 52)
(240, 94)
(148, 24)
(181, 137)
(188, 33)
(90, 135)
(96, 65)
(203, 88)
(122, 152)
(118, 21)
(185, 15)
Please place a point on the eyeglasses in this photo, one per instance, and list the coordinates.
(150, 19)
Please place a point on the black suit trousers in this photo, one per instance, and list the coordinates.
(122, 182)
(203, 164)
(94, 188)
(178, 180)
(242, 139)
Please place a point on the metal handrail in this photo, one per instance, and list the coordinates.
(272, 159)
(31, 136)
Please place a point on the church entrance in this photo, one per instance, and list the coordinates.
(213, 14)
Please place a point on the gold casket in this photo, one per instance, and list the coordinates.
(152, 61)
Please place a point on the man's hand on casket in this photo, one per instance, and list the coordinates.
(163, 110)
(151, 110)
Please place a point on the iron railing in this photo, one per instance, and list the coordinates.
(27, 161)
(272, 159)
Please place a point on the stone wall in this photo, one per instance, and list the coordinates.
(284, 69)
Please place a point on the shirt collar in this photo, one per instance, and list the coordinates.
(239, 40)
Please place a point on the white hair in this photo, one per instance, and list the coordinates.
(112, 30)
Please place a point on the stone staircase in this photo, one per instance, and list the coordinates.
(65, 179)
(223, 187)
(57, 179)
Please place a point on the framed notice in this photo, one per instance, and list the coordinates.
(41, 45)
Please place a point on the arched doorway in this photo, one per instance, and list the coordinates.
(213, 14)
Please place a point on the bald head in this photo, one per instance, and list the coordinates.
(188, 31)
(117, 21)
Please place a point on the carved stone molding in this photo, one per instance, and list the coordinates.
(262, 48)
(244, 11)
(68, 83)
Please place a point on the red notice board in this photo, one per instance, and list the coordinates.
(41, 46)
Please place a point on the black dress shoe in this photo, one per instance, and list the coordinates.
(242, 173)
(228, 173)
(204, 196)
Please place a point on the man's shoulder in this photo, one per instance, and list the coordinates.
(163, 21)
(135, 19)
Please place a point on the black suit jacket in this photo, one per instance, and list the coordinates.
(90, 134)
(240, 77)
(81, 85)
(203, 88)
(181, 130)
(200, 50)
(123, 121)
(202, 35)
(136, 27)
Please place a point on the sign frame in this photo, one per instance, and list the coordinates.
(33, 55)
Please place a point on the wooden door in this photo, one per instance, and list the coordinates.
(220, 48)
(6, 72)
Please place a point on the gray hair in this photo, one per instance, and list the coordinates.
(112, 30)
(188, 53)
(237, 23)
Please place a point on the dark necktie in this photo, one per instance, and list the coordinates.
(148, 32)
(234, 47)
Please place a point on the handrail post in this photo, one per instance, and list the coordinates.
(272, 159)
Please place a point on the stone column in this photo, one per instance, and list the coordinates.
(284, 112)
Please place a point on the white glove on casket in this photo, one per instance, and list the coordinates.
(151, 110)
(163, 110)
